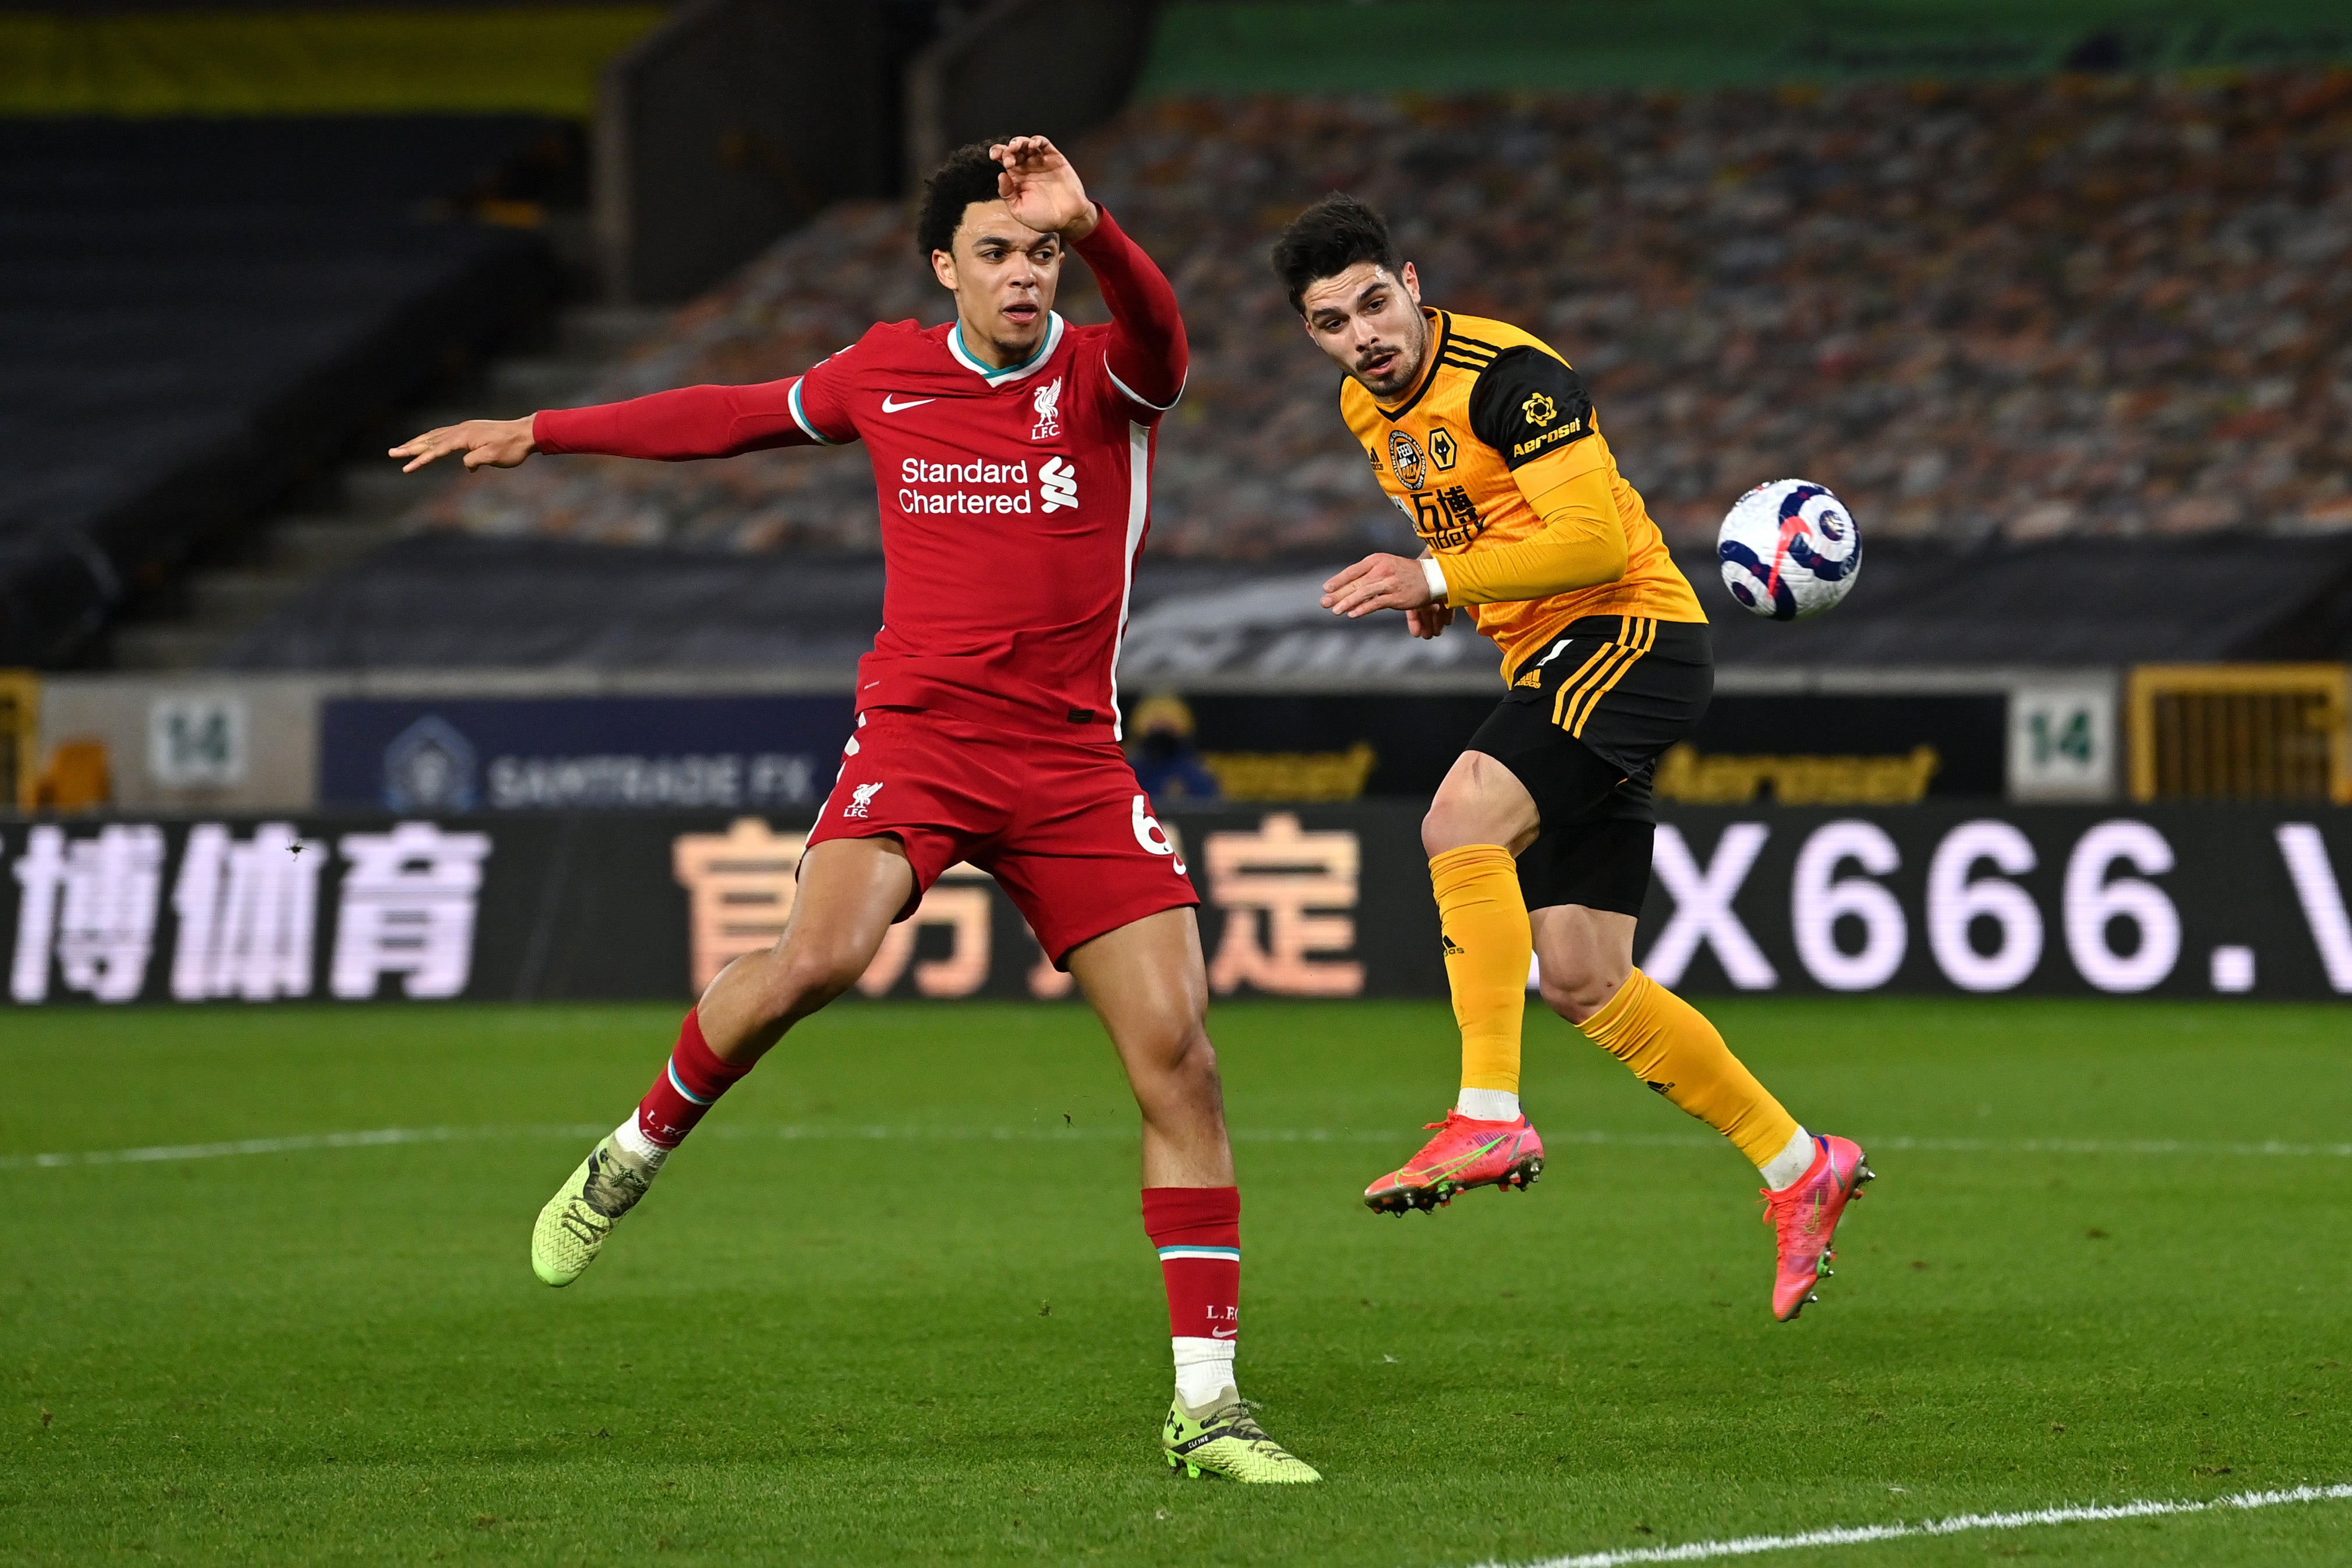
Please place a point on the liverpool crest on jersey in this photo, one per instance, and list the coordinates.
(1047, 400)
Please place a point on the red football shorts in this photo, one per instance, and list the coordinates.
(1061, 824)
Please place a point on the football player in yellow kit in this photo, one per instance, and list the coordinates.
(1539, 837)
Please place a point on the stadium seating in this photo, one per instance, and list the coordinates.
(2014, 310)
(446, 599)
(199, 313)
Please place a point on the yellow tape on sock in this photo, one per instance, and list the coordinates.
(1488, 948)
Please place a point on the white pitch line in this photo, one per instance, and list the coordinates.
(2108, 1146)
(374, 1137)
(295, 1144)
(1959, 1524)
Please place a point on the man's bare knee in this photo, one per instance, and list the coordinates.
(1578, 993)
(1198, 1061)
(1585, 955)
(1188, 1057)
(1577, 998)
(1440, 829)
(803, 976)
(1480, 801)
(1180, 1070)
(1457, 816)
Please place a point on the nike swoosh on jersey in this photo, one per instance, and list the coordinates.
(891, 405)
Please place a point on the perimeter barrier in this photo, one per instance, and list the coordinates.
(1950, 897)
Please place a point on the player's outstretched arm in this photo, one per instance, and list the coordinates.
(1149, 354)
(696, 422)
(668, 426)
(482, 443)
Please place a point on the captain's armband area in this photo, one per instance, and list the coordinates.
(1529, 405)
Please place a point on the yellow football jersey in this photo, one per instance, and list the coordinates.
(1491, 401)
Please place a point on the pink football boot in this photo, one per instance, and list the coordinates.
(1464, 1155)
(1804, 1216)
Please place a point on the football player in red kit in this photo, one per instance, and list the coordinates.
(1012, 459)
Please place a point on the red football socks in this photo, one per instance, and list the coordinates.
(1198, 1231)
(688, 1087)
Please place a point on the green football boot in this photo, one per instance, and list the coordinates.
(1224, 1439)
(572, 1227)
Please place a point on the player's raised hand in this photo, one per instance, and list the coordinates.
(1041, 189)
(486, 443)
(1377, 582)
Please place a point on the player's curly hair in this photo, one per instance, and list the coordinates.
(969, 175)
(1328, 238)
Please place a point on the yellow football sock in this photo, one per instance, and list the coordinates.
(1488, 948)
(1670, 1047)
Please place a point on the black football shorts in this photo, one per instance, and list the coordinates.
(1583, 727)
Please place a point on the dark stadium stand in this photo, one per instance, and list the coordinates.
(446, 600)
(200, 313)
(1991, 315)
(2084, 602)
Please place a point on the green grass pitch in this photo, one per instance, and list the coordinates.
(948, 1346)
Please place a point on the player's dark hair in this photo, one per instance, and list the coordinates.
(969, 175)
(1328, 238)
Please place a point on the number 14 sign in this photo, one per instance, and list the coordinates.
(2062, 739)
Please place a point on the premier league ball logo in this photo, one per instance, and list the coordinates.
(1789, 549)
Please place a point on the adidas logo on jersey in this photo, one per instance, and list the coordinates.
(1058, 485)
(1532, 678)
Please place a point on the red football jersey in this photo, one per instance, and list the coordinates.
(1014, 502)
